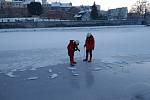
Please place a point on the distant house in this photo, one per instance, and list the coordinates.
(5, 4)
(21, 3)
(61, 6)
(58, 4)
(147, 18)
(58, 14)
(1, 1)
(86, 8)
(134, 16)
(44, 2)
(103, 14)
(117, 14)
(83, 15)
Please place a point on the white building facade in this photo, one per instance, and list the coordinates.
(117, 14)
(21, 3)
(61, 5)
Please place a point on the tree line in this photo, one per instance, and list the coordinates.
(140, 8)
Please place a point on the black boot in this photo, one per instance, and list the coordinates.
(71, 65)
(84, 59)
(74, 62)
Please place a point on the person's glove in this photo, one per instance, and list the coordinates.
(75, 49)
(84, 46)
(93, 48)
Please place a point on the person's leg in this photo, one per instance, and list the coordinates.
(87, 52)
(90, 51)
(71, 59)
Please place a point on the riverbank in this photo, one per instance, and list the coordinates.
(48, 24)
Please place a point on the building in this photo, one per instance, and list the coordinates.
(98, 7)
(5, 7)
(83, 15)
(117, 14)
(103, 13)
(147, 18)
(5, 4)
(21, 3)
(44, 2)
(1, 1)
(58, 15)
(134, 16)
(61, 5)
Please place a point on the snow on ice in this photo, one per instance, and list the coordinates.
(50, 70)
(120, 59)
(32, 78)
(53, 76)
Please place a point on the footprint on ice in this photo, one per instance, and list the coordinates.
(97, 69)
(75, 74)
(32, 78)
(109, 66)
(139, 91)
(22, 70)
(10, 74)
(50, 70)
(72, 68)
(33, 68)
(53, 76)
(140, 62)
(14, 70)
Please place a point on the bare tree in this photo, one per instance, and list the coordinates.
(140, 7)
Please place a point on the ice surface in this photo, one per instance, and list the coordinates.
(53, 76)
(119, 70)
(30, 49)
(139, 91)
(22, 70)
(10, 74)
(97, 69)
(32, 78)
(72, 68)
(75, 74)
(33, 68)
(50, 70)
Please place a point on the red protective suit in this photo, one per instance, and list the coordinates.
(72, 47)
(89, 44)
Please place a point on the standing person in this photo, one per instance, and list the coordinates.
(72, 47)
(89, 45)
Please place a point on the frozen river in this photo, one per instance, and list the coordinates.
(34, 64)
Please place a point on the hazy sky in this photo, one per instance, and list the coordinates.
(105, 4)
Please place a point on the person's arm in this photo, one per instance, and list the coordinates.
(93, 43)
(76, 48)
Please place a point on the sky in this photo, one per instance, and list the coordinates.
(105, 4)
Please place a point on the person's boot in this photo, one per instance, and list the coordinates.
(74, 62)
(71, 65)
(90, 59)
(84, 59)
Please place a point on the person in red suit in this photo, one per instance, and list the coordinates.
(89, 45)
(72, 47)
